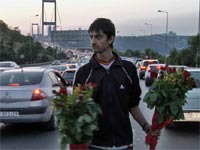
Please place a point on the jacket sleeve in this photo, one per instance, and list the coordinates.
(81, 75)
(78, 78)
(134, 89)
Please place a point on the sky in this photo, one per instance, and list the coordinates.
(129, 16)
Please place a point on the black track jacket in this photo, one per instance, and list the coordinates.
(117, 90)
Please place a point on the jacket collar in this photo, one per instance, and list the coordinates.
(94, 64)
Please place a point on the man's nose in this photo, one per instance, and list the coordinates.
(93, 41)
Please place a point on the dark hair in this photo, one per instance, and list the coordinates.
(105, 25)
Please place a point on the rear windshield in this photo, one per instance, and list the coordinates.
(69, 75)
(20, 78)
(146, 63)
(154, 68)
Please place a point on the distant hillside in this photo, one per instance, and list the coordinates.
(156, 42)
(10, 41)
(80, 38)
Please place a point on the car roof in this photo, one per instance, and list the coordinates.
(192, 69)
(7, 62)
(178, 66)
(150, 60)
(29, 69)
(156, 64)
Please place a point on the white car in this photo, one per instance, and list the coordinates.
(151, 73)
(143, 66)
(6, 65)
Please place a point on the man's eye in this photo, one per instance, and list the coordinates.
(95, 36)
(98, 36)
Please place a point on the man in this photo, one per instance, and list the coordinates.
(117, 90)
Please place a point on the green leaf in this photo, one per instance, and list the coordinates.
(173, 108)
(154, 97)
(160, 109)
(88, 130)
(84, 118)
(63, 144)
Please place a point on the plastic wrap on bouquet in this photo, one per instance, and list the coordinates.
(151, 139)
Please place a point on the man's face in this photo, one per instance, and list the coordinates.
(99, 41)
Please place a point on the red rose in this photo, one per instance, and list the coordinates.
(174, 70)
(63, 90)
(80, 97)
(186, 74)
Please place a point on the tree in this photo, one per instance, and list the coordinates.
(174, 57)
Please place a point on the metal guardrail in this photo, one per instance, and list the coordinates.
(36, 64)
(39, 64)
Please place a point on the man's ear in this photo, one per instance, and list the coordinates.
(111, 40)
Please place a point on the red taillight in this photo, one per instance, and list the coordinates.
(158, 67)
(149, 69)
(38, 94)
(143, 67)
(14, 84)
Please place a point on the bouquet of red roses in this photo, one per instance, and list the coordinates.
(167, 96)
(77, 115)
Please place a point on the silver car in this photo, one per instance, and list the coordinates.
(26, 95)
(192, 108)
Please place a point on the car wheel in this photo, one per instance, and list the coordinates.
(148, 82)
(141, 77)
(51, 124)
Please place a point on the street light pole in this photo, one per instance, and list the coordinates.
(166, 44)
(150, 36)
(31, 34)
(198, 35)
(144, 31)
(149, 25)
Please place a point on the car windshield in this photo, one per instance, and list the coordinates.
(196, 76)
(20, 78)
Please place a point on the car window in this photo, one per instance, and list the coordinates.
(5, 65)
(196, 76)
(69, 75)
(71, 66)
(21, 78)
(53, 78)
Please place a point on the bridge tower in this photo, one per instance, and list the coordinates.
(48, 23)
